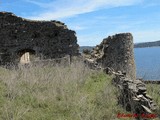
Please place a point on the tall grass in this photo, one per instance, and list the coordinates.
(59, 92)
(154, 91)
(56, 93)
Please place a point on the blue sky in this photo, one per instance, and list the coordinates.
(94, 20)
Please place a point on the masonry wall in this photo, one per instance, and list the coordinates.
(115, 56)
(44, 39)
(115, 52)
(118, 54)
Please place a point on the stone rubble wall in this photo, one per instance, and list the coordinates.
(133, 95)
(46, 39)
(115, 56)
(114, 52)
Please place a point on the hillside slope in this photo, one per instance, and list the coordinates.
(147, 44)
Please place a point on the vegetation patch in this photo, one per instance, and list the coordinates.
(154, 91)
(58, 93)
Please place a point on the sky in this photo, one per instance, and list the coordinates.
(94, 20)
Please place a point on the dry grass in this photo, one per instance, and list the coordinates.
(56, 93)
(154, 91)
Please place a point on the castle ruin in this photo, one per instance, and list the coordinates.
(23, 40)
(115, 52)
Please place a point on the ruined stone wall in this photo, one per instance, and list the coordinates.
(115, 56)
(115, 52)
(44, 39)
(133, 95)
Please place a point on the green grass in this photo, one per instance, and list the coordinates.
(58, 93)
(154, 91)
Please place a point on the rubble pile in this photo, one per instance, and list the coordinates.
(133, 95)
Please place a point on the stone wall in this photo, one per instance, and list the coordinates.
(133, 95)
(42, 39)
(115, 52)
(115, 56)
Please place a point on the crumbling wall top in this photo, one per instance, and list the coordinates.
(11, 15)
(115, 52)
(48, 39)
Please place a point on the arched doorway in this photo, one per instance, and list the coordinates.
(26, 56)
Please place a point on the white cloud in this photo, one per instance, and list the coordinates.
(58, 9)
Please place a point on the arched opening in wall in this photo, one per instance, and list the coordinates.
(26, 56)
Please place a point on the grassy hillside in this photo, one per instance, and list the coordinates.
(57, 93)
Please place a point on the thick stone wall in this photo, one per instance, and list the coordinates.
(115, 52)
(43, 39)
(133, 95)
(115, 56)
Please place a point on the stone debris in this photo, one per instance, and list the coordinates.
(134, 94)
(146, 109)
(149, 97)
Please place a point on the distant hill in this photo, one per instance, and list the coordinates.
(136, 45)
(85, 47)
(147, 44)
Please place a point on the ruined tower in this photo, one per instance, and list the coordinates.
(116, 52)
